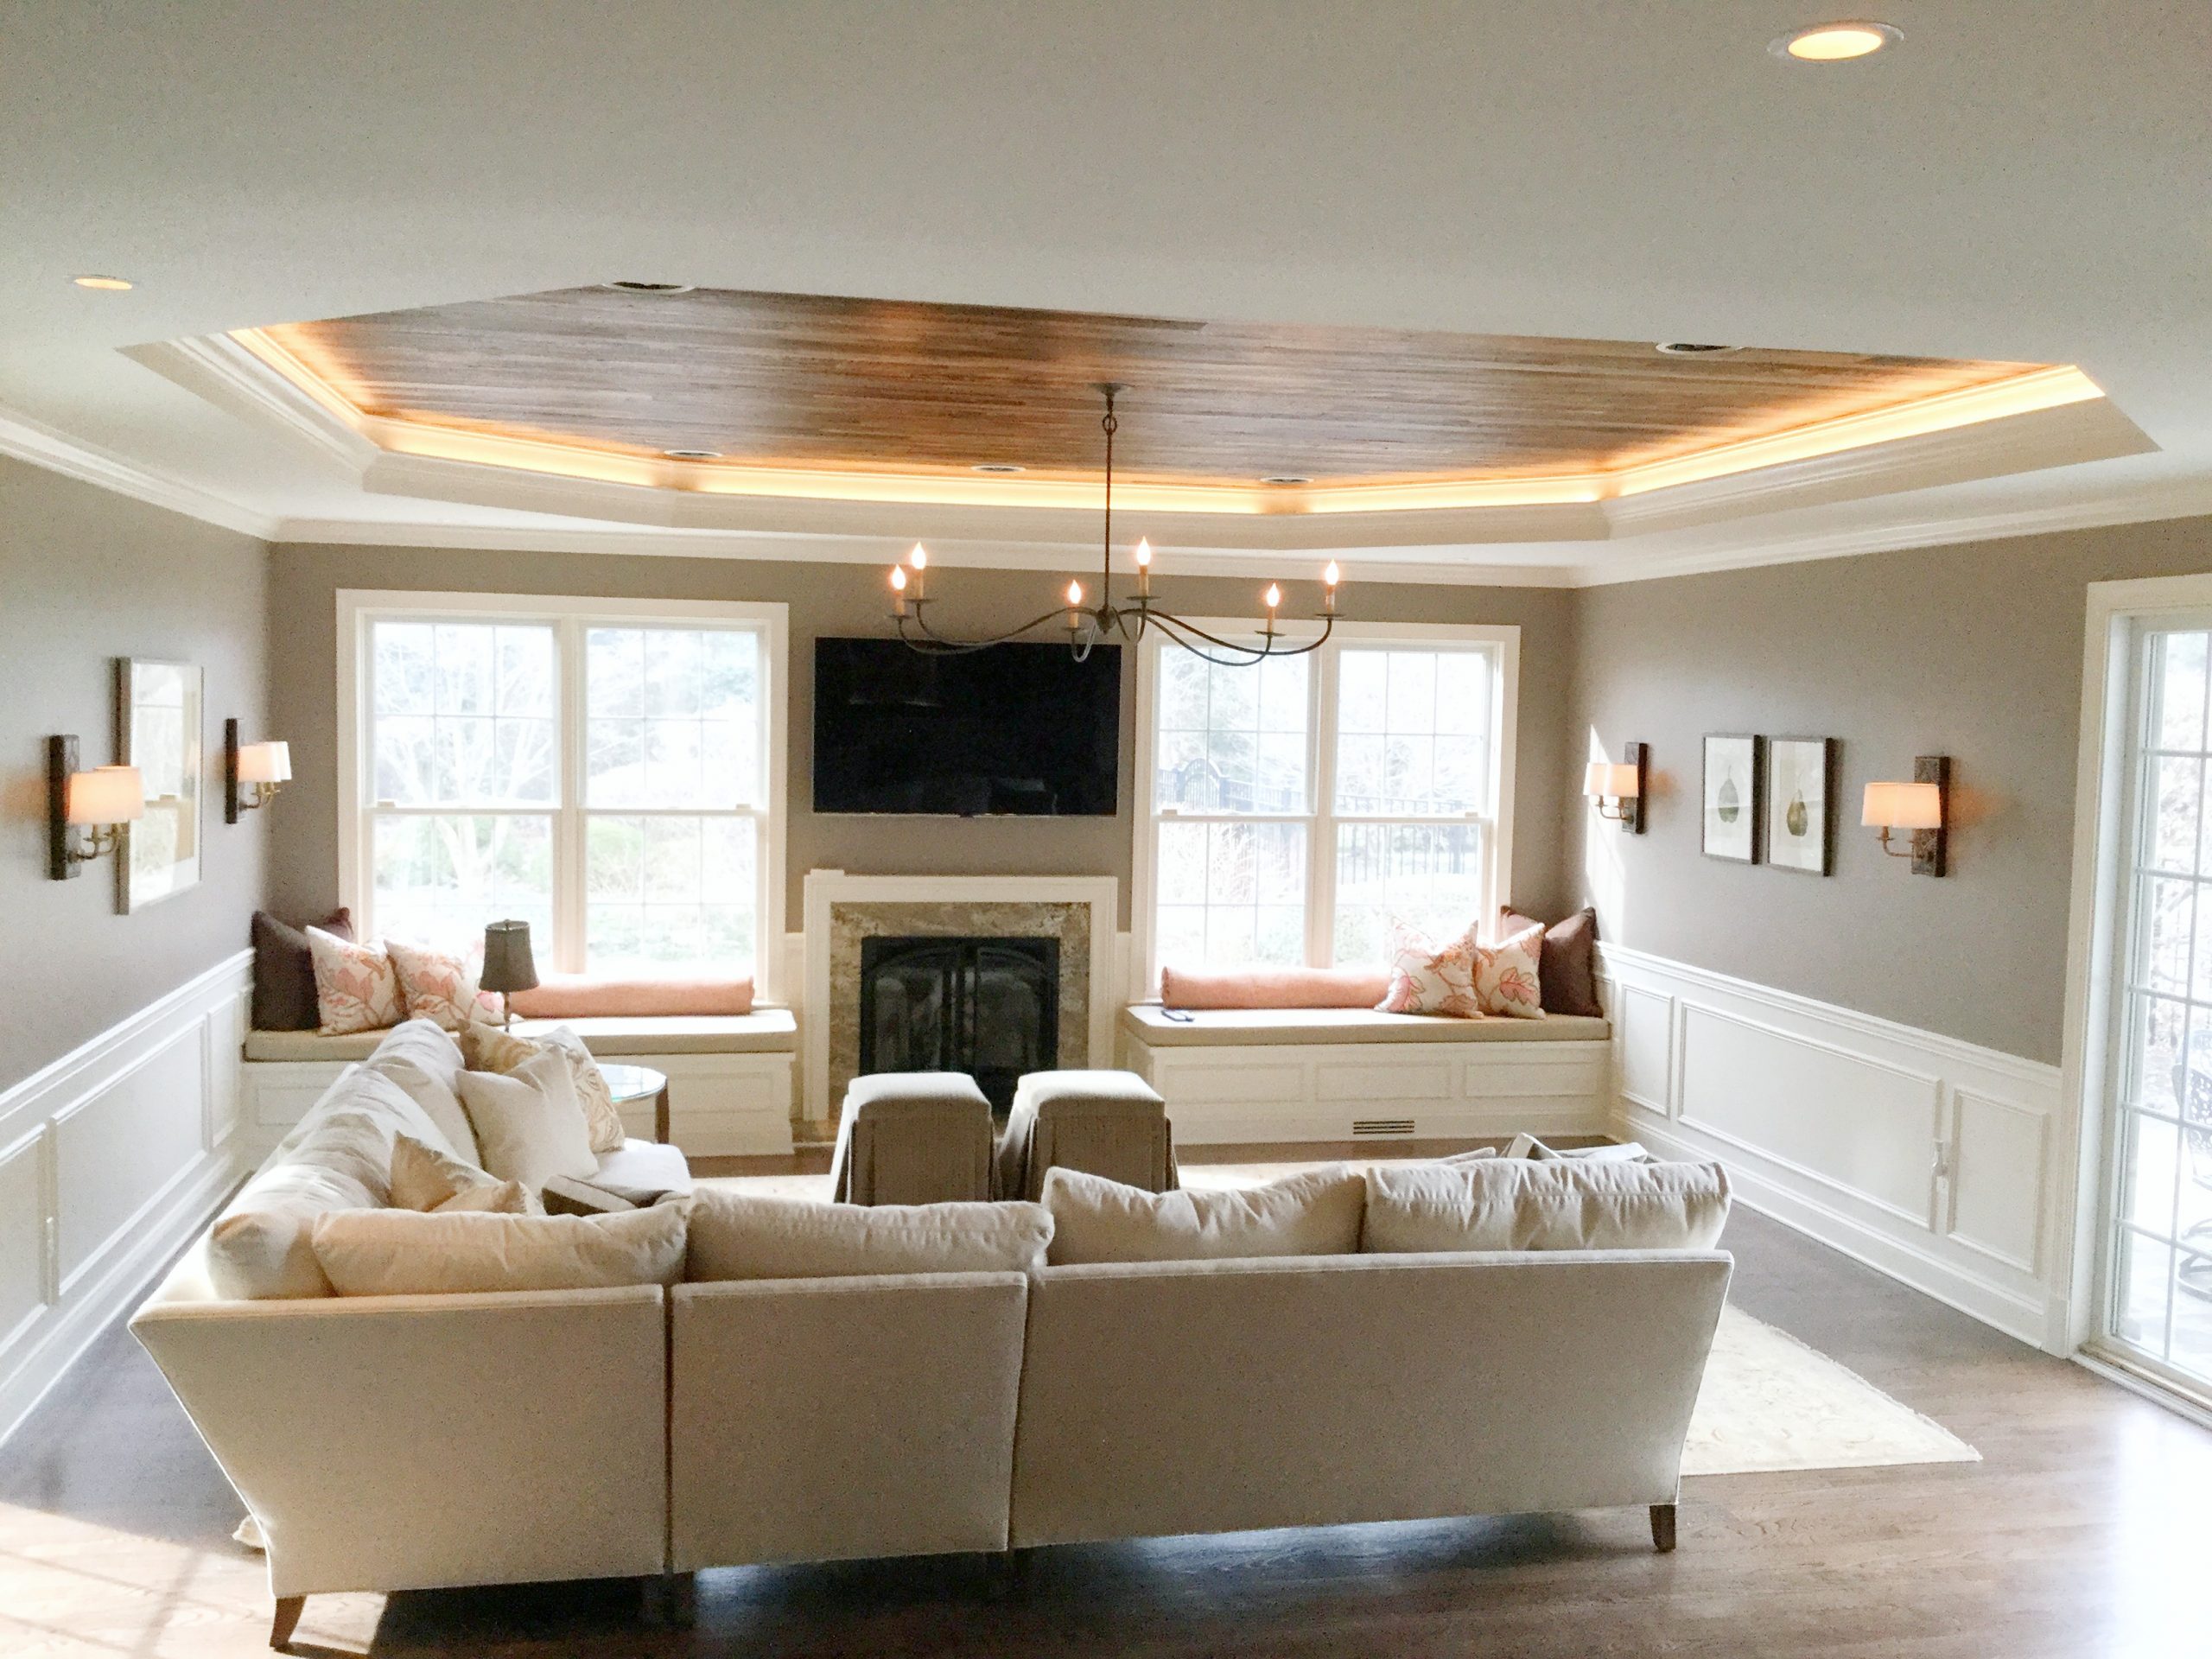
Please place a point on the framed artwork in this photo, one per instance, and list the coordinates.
(157, 706)
(1800, 804)
(1731, 795)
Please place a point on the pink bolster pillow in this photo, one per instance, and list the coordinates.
(1273, 987)
(584, 997)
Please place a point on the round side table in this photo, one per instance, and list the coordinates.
(629, 1084)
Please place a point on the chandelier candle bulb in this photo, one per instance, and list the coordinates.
(899, 590)
(1330, 577)
(1075, 606)
(919, 558)
(1144, 568)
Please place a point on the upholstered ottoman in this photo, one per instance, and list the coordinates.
(1109, 1123)
(912, 1137)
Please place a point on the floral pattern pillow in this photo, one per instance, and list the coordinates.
(436, 986)
(1426, 978)
(1505, 976)
(355, 986)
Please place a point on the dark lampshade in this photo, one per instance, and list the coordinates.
(507, 964)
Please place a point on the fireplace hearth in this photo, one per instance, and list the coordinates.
(985, 1005)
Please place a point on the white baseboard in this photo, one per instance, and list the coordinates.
(110, 1160)
(1935, 1161)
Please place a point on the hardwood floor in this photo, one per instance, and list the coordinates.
(2084, 1533)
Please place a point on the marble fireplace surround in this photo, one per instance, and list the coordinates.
(841, 910)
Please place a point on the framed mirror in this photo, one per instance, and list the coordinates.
(157, 720)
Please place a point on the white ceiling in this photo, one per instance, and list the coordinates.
(2023, 182)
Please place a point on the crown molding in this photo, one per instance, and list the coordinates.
(216, 368)
(2182, 498)
(33, 441)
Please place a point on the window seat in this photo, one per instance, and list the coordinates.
(1210, 1028)
(1340, 1074)
(730, 1077)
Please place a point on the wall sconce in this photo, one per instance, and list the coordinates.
(264, 767)
(1922, 806)
(100, 801)
(1620, 782)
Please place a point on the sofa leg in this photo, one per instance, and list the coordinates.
(1662, 1527)
(286, 1621)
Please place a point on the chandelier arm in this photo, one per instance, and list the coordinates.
(1176, 630)
(933, 643)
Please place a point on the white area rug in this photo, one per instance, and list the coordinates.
(1769, 1402)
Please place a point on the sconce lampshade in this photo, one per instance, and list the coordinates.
(1609, 780)
(507, 964)
(266, 763)
(106, 795)
(1903, 806)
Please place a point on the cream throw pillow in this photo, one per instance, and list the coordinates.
(488, 1048)
(401, 1253)
(735, 1236)
(355, 987)
(1094, 1219)
(528, 1123)
(425, 1062)
(424, 1179)
(1566, 1203)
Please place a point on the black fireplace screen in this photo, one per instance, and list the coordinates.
(988, 1007)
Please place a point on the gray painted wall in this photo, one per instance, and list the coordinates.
(1974, 651)
(86, 577)
(848, 599)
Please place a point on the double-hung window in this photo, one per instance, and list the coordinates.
(610, 772)
(1296, 808)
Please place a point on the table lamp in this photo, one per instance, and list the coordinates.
(507, 964)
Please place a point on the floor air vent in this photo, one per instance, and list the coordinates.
(1362, 1127)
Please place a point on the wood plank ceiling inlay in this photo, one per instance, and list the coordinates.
(869, 386)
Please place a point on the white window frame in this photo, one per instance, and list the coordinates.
(1321, 819)
(360, 608)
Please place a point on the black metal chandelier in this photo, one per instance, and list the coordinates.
(1127, 618)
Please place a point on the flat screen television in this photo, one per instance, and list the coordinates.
(1019, 730)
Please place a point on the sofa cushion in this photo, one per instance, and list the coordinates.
(402, 1253)
(283, 970)
(562, 996)
(1567, 1203)
(1313, 1213)
(740, 1235)
(642, 1171)
(528, 1122)
(1568, 963)
(1273, 988)
(425, 1062)
(424, 1179)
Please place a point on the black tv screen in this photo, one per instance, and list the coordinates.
(1023, 730)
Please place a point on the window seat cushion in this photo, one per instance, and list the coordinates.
(1150, 1024)
(764, 1031)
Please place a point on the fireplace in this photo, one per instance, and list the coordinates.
(986, 1005)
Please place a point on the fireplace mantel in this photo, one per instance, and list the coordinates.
(827, 891)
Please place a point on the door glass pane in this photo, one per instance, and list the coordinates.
(2161, 1239)
(439, 878)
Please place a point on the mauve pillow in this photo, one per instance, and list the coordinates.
(284, 971)
(1568, 966)
(585, 997)
(1273, 987)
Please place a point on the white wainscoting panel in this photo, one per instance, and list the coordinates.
(1929, 1158)
(110, 1159)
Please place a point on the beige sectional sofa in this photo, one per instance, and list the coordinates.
(395, 1442)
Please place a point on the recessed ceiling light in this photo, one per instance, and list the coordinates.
(650, 288)
(1693, 348)
(691, 454)
(995, 467)
(105, 285)
(1287, 477)
(1837, 42)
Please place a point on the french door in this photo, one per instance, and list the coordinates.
(2158, 1206)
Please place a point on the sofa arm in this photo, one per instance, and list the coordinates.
(409, 1442)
